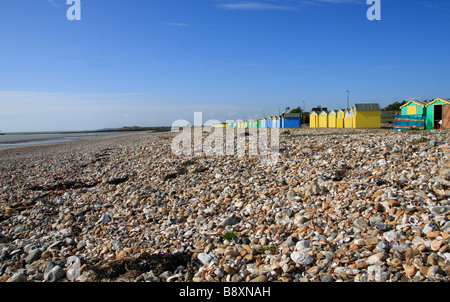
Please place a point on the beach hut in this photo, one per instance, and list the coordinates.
(340, 115)
(366, 115)
(292, 120)
(434, 113)
(314, 119)
(412, 115)
(269, 122)
(262, 123)
(413, 108)
(332, 119)
(274, 122)
(348, 118)
(323, 119)
(279, 122)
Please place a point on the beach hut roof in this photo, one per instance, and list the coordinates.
(314, 112)
(326, 111)
(419, 103)
(367, 107)
(291, 114)
(438, 99)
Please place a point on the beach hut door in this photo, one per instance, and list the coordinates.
(437, 116)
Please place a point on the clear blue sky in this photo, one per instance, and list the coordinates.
(152, 62)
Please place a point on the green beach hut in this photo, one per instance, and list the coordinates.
(434, 113)
(413, 108)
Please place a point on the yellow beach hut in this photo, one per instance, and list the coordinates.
(340, 115)
(367, 115)
(353, 115)
(314, 119)
(348, 118)
(332, 119)
(323, 119)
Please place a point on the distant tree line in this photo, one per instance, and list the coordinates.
(395, 106)
(296, 110)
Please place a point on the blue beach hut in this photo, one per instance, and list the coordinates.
(292, 120)
(279, 122)
(269, 122)
(262, 123)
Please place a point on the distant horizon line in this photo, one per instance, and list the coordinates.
(122, 129)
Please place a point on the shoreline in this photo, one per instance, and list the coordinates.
(44, 144)
(38, 138)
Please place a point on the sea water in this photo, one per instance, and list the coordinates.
(24, 139)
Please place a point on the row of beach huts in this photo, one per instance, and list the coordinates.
(286, 120)
(359, 116)
(414, 114)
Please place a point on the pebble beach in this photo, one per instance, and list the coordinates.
(341, 205)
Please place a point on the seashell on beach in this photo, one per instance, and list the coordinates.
(302, 258)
